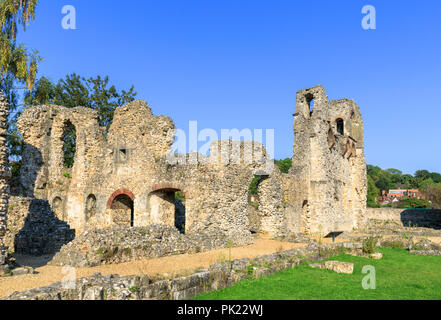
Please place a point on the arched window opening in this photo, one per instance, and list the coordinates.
(167, 206)
(69, 144)
(57, 208)
(90, 206)
(180, 211)
(123, 210)
(340, 126)
(310, 102)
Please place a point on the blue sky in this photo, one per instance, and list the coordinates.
(239, 63)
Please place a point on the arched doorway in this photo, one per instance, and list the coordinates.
(57, 208)
(167, 206)
(122, 208)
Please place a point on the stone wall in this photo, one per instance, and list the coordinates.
(123, 244)
(143, 287)
(325, 190)
(132, 160)
(5, 175)
(406, 217)
(327, 183)
(266, 214)
(33, 228)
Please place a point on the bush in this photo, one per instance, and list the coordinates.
(253, 188)
(373, 204)
(369, 245)
(409, 203)
(15, 168)
(284, 165)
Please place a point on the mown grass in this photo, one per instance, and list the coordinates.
(399, 275)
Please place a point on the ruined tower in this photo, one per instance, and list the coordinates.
(5, 174)
(329, 168)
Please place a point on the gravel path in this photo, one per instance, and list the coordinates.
(50, 274)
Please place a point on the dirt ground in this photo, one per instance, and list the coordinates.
(47, 275)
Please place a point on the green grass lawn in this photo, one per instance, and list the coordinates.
(399, 275)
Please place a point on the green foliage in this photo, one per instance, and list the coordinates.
(67, 175)
(407, 203)
(18, 65)
(15, 168)
(254, 185)
(384, 179)
(180, 195)
(400, 276)
(69, 145)
(433, 193)
(423, 180)
(73, 91)
(16, 62)
(134, 289)
(284, 165)
(372, 194)
(369, 245)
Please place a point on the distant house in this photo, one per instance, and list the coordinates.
(395, 195)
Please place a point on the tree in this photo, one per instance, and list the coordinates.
(15, 59)
(372, 194)
(18, 66)
(407, 203)
(422, 174)
(436, 177)
(433, 193)
(423, 180)
(284, 165)
(70, 92)
(254, 185)
(74, 91)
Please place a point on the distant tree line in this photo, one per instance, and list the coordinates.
(72, 91)
(428, 183)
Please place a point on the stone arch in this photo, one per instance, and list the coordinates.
(171, 186)
(122, 211)
(167, 205)
(57, 207)
(121, 207)
(310, 99)
(117, 193)
(340, 124)
(90, 207)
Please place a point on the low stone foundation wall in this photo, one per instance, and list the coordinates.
(425, 218)
(34, 229)
(142, 287)
(123, 244)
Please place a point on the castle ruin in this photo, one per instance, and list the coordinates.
(124, 176)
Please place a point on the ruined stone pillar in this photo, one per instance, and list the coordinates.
(5, 174)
